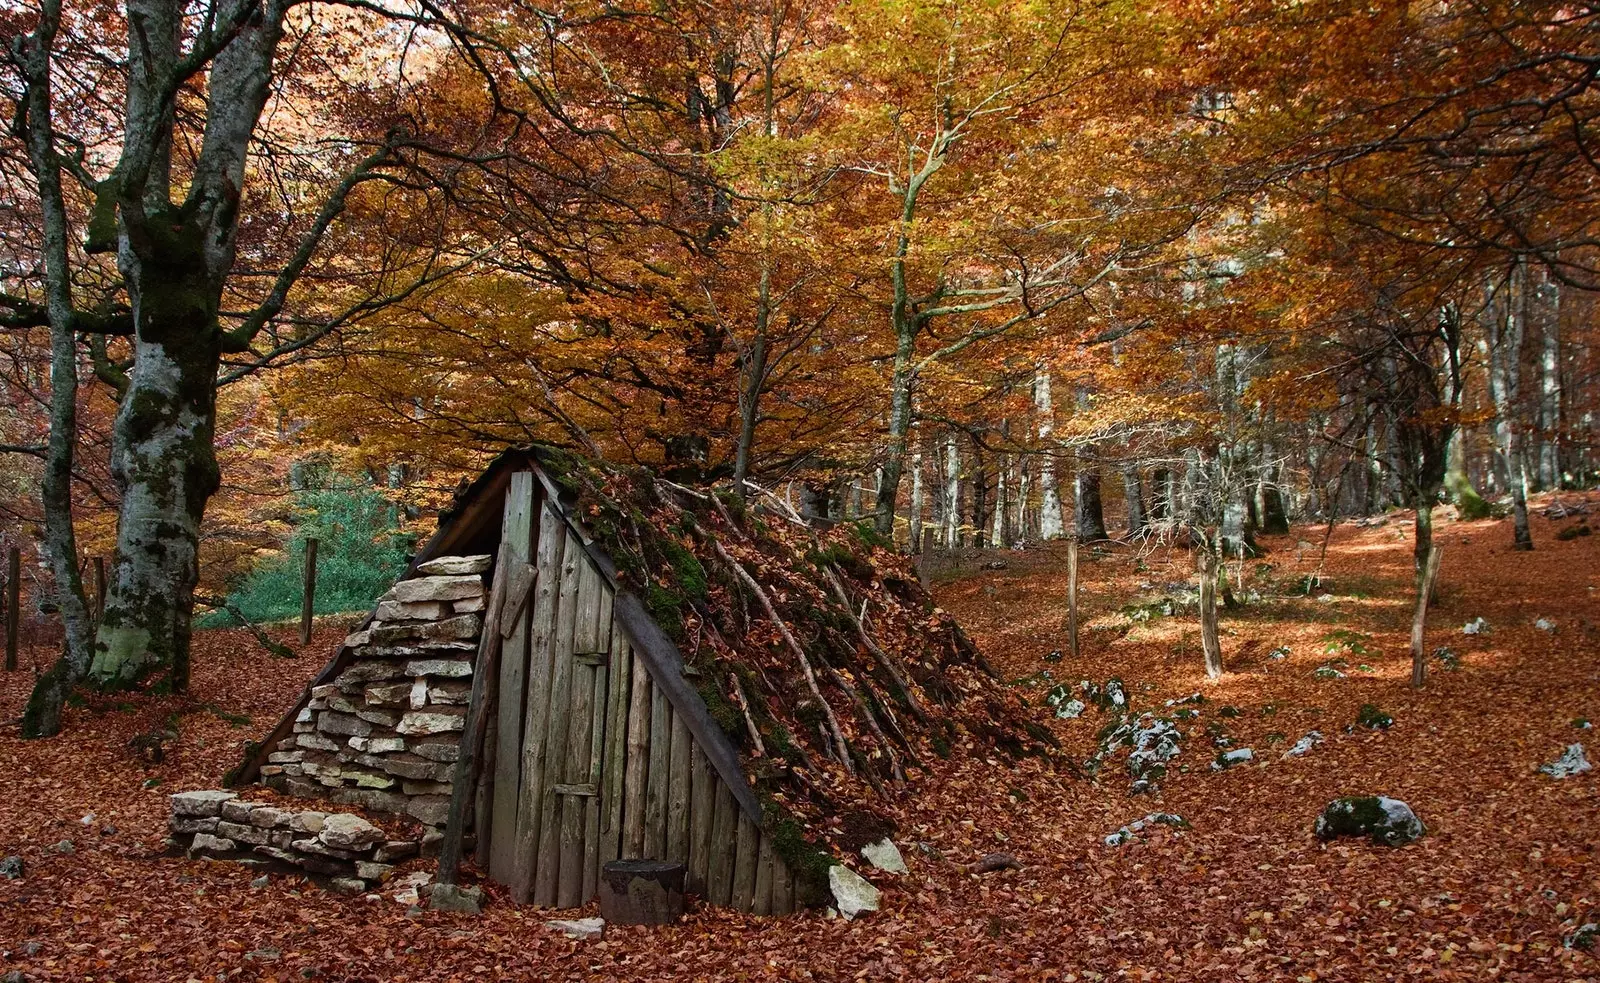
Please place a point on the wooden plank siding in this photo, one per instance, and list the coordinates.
(594, 757)
(519, 528)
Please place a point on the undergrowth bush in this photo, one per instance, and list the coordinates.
(360, 553)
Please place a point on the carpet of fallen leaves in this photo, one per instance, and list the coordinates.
(1509, 865)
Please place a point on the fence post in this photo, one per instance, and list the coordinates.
(13, 605)
(308, 596)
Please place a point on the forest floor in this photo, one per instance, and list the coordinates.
(1510, 865)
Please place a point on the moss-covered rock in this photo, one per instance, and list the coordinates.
(1386, 821)
(1372, 718)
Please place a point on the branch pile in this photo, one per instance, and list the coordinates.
(817, 651)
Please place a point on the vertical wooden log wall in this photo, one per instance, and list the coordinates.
(592, 761)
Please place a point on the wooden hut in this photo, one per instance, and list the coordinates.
(601, 742)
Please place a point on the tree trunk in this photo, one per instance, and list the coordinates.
(33, 53)
(165, 466)
(999, 534)
(1049, 493)
(1209, 571)
(952, 493)
(1088, 515)
(1133, 492)
(1469, 504)
(1427, 573)
(916, 500)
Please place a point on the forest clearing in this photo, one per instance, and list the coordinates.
(1082, 490)
(1507, 872)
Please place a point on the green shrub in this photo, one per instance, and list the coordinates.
(359, 555)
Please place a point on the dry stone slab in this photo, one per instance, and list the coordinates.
(347, 832)
(430, 809)
(241, 833)
(412, 611)
(206, 843)
(469, 606)
(422, 723)
(456, 565)
(377, 745)
(194, 824)
(436, 588)
(203, 803)
(330, 722)
(387, 694)
(454, 668)
(442, 751)
(461, 626)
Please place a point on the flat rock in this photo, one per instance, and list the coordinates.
(206, 842)
(202, 803)
(578, 928)
(885, 856)
(412, 611)
(852, 893)
(422, 723)
(346, 832)
(453, 566)
(439, 667)
(454, 897)
(461, 626)
(438, 588)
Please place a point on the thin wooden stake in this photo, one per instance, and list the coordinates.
(13, 605)
(1072, 600)
(1419, 661)
(308, 593)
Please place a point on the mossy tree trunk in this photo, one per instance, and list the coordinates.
(166, 469)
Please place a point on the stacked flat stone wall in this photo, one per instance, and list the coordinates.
(351, 853)
(384, 734)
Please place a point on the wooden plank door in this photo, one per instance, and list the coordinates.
(569, 841)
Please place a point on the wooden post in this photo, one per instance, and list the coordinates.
(99, 589)
(308, 593)
(13, 605)
(641, 892)
(1072, 600)
(1208, 613)
(1419, 660)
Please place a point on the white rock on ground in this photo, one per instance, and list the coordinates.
(1572, 762)
(885, 856)
(1477, 626)
(578, 928)
(1304, 745)
(852, 893)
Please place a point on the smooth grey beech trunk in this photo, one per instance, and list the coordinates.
(164, 463)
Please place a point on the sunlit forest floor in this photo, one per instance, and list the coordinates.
(1509, 866)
